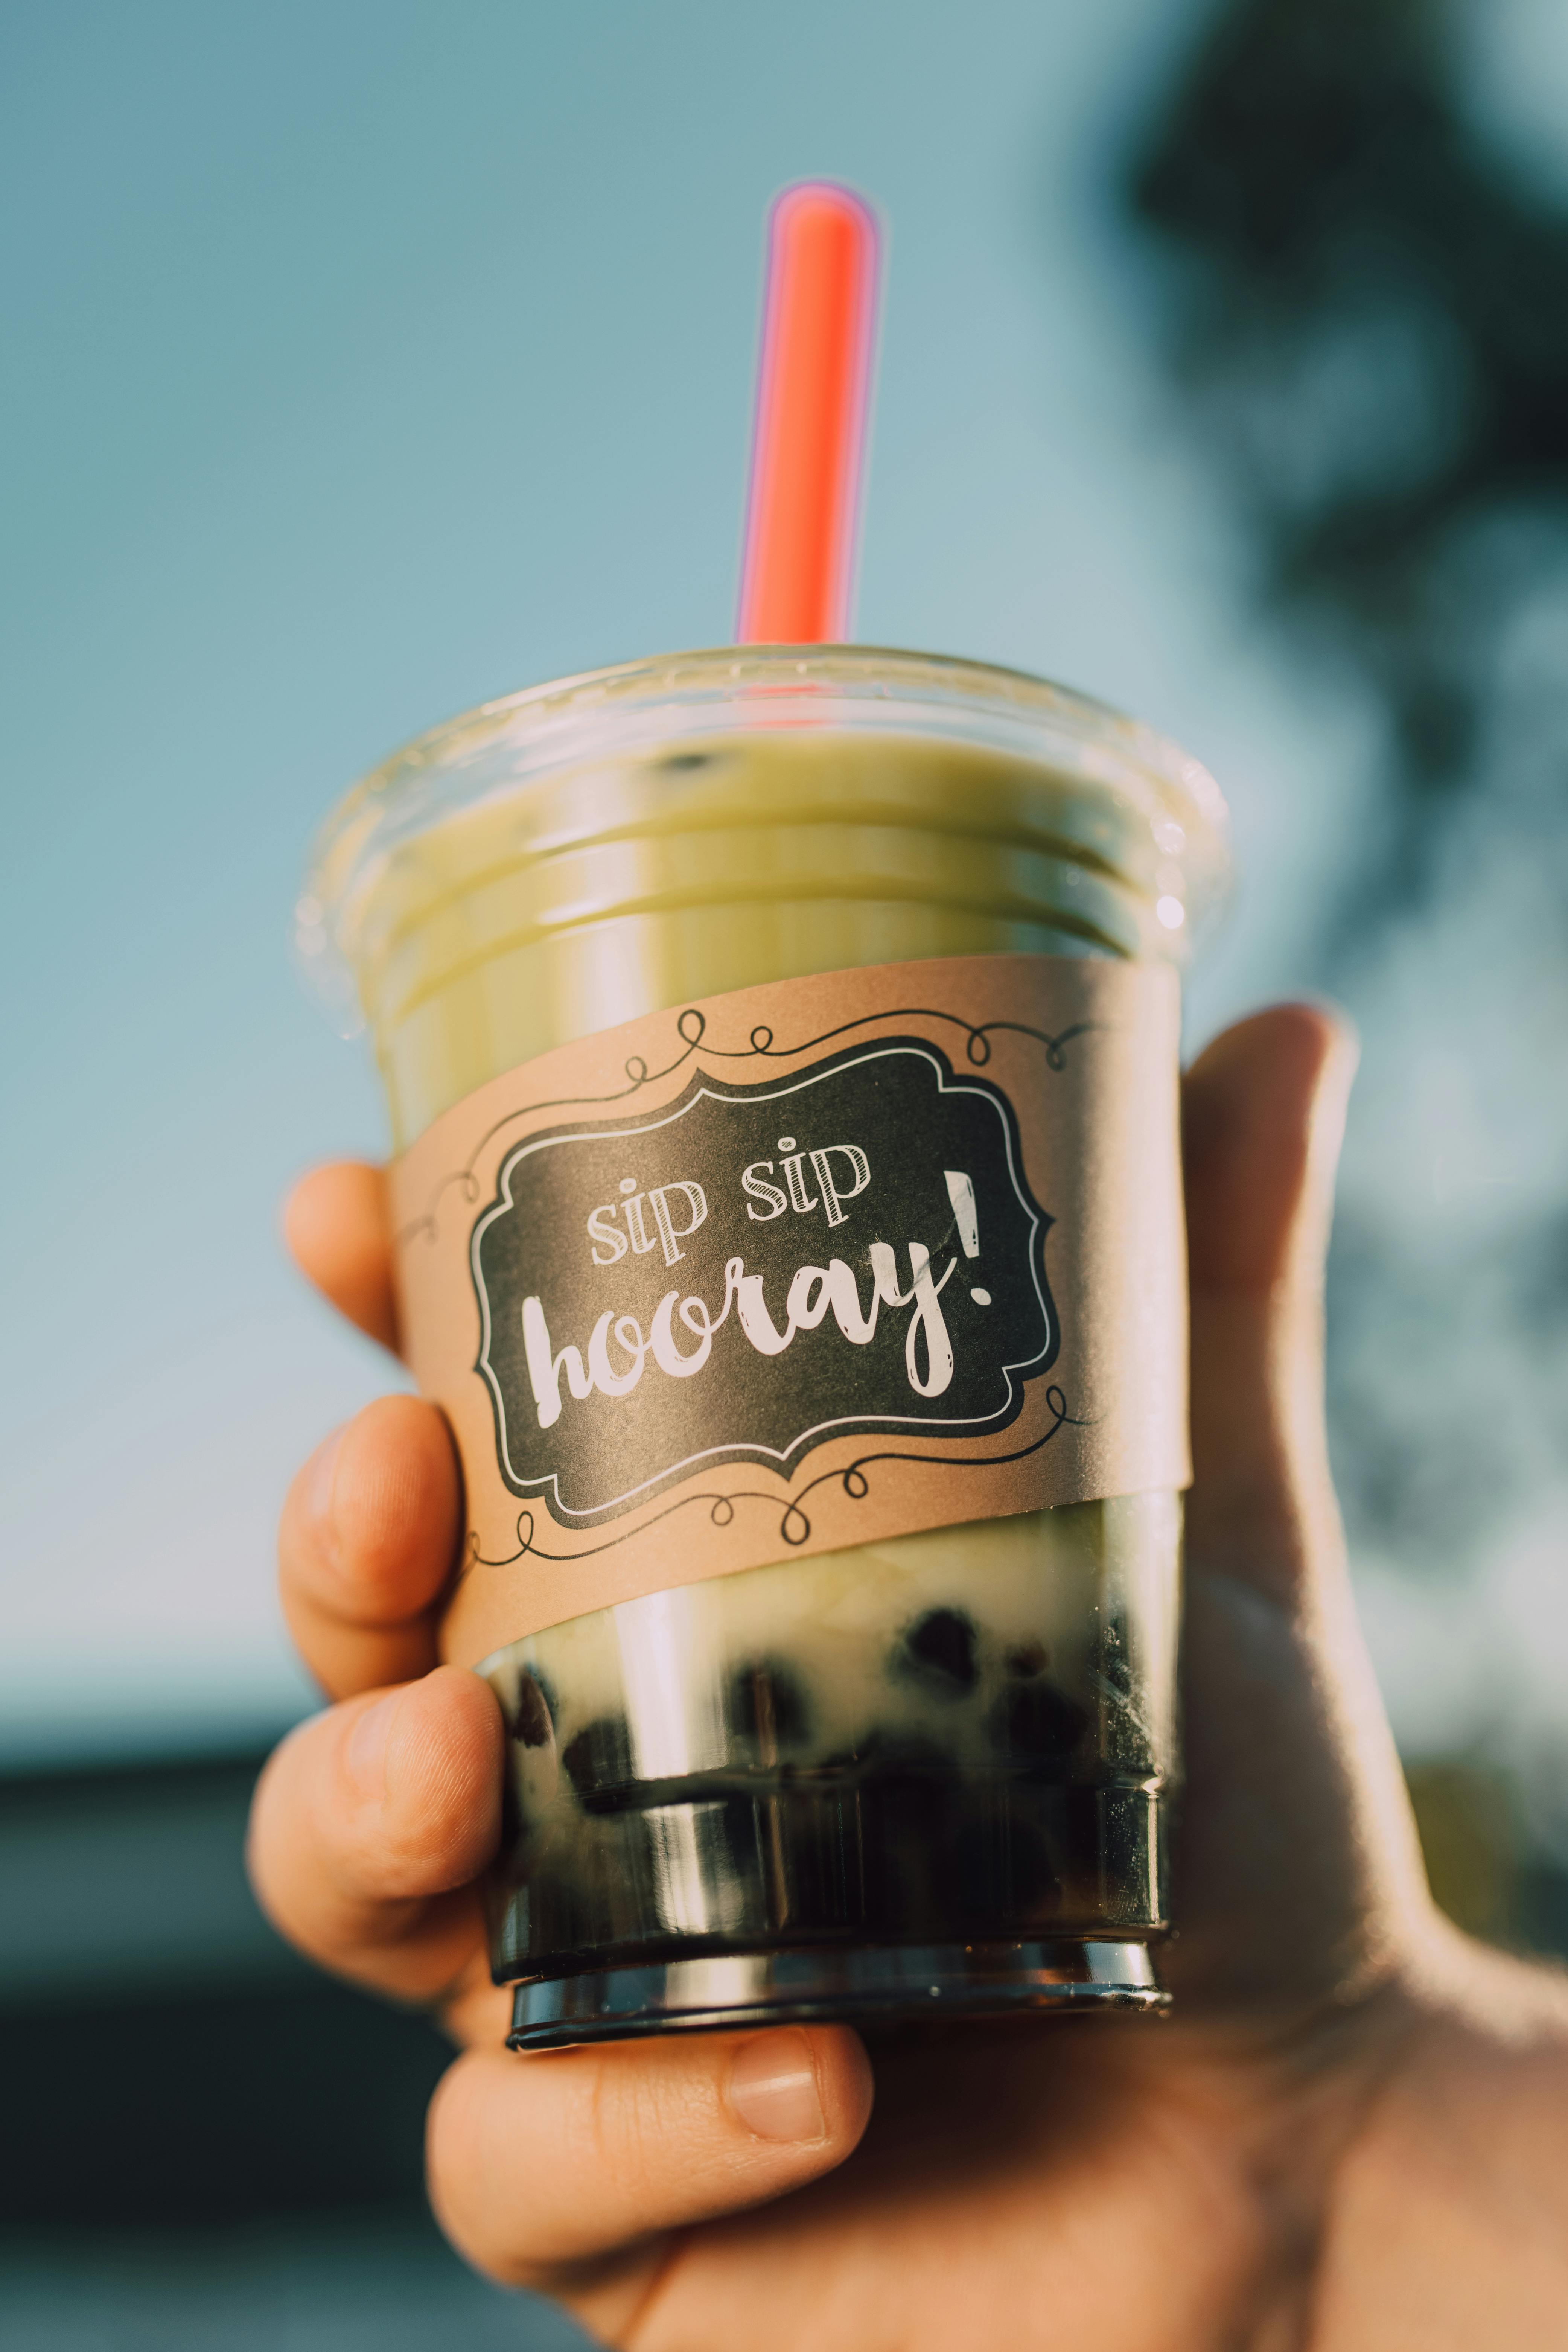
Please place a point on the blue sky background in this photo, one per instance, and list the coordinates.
(367, 359)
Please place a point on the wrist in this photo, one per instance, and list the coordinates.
(1449, 2211)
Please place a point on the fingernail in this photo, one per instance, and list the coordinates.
(319, 1492)
(366, 1754)
(772, 2088)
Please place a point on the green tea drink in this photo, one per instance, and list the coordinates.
(780, 1048)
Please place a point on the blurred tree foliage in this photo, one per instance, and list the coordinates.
(1370, 311)
(1470, 1836)
(1365, 310)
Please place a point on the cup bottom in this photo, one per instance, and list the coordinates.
(876, 1985)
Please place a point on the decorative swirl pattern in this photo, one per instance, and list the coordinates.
(794, 1524)
(692, 1026)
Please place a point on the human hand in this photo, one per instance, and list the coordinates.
(1352, 2133)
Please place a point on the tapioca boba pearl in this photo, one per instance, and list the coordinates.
(902, 1755)
(1013, 1876)
(746, 1831)
(599, 1762)
(1029, 1659)
(683, 763)
(766, 1703)
(529, 1722)
(938, 1651)
(879, 1754)
(508, 1850)
(1037, 1721)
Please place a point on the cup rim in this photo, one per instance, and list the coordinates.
(564, 722)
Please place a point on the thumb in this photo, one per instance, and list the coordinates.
(1300, 1877)
(1263, 1115)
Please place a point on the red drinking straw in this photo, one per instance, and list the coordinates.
(814, 386)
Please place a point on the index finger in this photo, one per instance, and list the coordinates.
(337, 1224)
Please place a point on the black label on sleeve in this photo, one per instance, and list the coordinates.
(752, 1270)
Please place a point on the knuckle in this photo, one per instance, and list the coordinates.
(643, 2118)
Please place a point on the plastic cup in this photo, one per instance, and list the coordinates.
(926, 1775)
